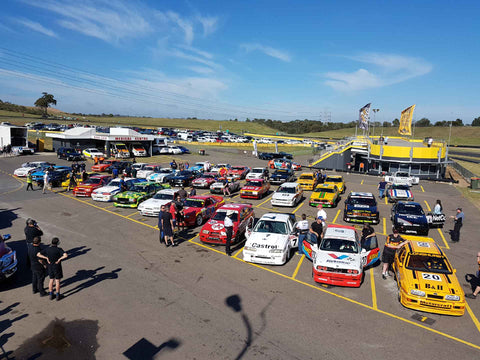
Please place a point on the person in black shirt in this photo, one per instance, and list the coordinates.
(54, 255)
(166, 224)
(316, 229)
(31, 231)
(38, 267)
(193, 191)
(367, 234)
(182, 193)
(180, 214)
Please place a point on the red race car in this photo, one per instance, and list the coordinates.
(94, 182)
(255, 189)
(213, 232)
(238, 172)
(204, 181)
(199, 208)
(296, 166)
(103, 166)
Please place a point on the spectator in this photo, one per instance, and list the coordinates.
(134, 172)
(122, 185)
(38, 267)
(46, 180)
(386, 140)
(478, 263)
(381, 188)
(302, 230)
(173, 164)
(321, 213)
(179, 214)
(437, 210)
(458, 218)
(95, 160)
(394, 241)
(193, 191)
(31, 232)
(182, 193)
(368, 233)
(166, 226)
(228, 223)
(475, 282)
(226, 188)
(72, 183)
(316, 229)
(29, 181)
(115, 172)
(54, 256)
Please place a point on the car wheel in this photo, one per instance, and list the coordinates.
(199, 220)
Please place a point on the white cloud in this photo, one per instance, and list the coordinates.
(205, 54)
(200, 69)
(267, 50)
(209, 24)
(183, 24)
(388, 69)
(37, 27)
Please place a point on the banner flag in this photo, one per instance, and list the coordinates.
(405, 127)
(364, 116)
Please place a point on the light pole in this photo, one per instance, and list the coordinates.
(374, 119)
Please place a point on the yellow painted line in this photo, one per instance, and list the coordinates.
(386, 200)
(298, 207)
(268, 199)
(443, 238)
(135, 213)
(374, 294)
(421, 187)
(362, 182)
(428, 206)
(336, 216)
(474, 318)
(16, 189)
(237, 253)
(298, 267)
(384, 226)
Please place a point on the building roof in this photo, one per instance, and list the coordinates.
(116, 134)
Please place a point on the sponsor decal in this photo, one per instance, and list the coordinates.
(217, 226)
(341, 257)
(434, 277)
(423, 244)
(264, 246)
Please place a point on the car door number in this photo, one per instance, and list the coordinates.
(431, 277)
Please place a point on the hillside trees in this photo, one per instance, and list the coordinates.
(44, 103)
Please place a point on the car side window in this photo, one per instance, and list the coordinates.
(401, 255)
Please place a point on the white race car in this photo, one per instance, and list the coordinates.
(402, 178)
(92, 152)
(272, 239)
(147, 170)
(29, 166)
(216, 168)
(151, 207)
(106, 193)
(163, 175)
(288, 194)
(258, 173)
(217, 187)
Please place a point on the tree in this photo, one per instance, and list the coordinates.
(423, 122)
(457, 122)
(44, 102)
(396, 122)
(442, 123)
(476, 121)
(386, 124)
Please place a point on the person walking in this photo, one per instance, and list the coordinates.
(72, 183)
(29, 181)
(228, 223)
(302, 230)
(165, 225)
(46, 180)
(437, 210)
(38, 267)
(394, 241)
(381, 188)
(54, 256)
(458, 218)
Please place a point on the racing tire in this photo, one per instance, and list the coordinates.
(199, 220)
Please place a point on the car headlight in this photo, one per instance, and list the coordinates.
(276, 251)
(417, 292)
(452, 297)
(403, 222)
(132, 200)
(205, 232)
(249, 248)
(254, 192)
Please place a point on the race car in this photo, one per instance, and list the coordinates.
(204, 181)
(307, 181)
(408, 218)
(86, 188)
(217, 187)
(106, 193)
(238, 172)
(340, 259)
(8, 260)
(398, 192)
(137, 193)
(282, 175)
(216, 168)
(148, 170)
(103, 167)
(57, 176)
(361, 207)
(402, 178)
(199, 166)
(426, 280)
(336, 180)
(151, 207)
(272, 240)
(182, 178)
(213, 231)
(287, 194)
(296, 166)
(30, 166)
(280, 164)
(325, 194)
(200, 208)
(163, 175)
(255, 189)
(258, 173)
(92, 152)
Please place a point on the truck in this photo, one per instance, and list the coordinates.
(120, 150)
(16, 137)
(402, 178)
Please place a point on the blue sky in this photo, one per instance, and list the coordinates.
(278, 59)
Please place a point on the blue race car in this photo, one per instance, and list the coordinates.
(361, 207)
(8, 259)
(408, 217)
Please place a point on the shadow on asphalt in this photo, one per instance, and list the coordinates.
(89, 278)
(5, 325)
(77, 251)
(6, 217)
(145, 350)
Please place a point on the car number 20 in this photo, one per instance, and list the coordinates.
(431, 277)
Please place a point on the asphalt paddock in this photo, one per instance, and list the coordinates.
(127, 296)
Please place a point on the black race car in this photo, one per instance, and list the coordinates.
(281, 176)
(182, 178)
(265, 156)
(408, 218)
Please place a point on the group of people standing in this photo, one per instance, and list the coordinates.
(171, 218)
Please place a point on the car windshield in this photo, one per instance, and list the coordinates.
(220, 216)
(400, 187)
(194, 203)
(208, 176)
(114, 182)
(165, 171)
(339, 245)
(237, 168)
(435, 264)
(92, 181)
(138, 188)
(324, 190)
(270, 226)
(253, 183)
(149, 167)
(399, 174)
(333, 179)
(257, 171)
(121, 147)
(281, 172)
(70, 151)
(163, 196)
(410, 209)
(306, 177)
(184, 173)
(362, 201)
(286, 190)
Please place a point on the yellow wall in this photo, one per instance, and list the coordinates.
(404, 151)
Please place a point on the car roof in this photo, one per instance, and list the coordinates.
(422, 245)
(334, 176)
(199, 197)
(409, 203)
(361, 194)
(340, 232)
(167, 191)
(235, 207)
(289, 184)
(275, 216)
(307, 173)
(326, 186)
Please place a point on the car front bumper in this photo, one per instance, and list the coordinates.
(265, 258)
(456, 308)
(337, 279)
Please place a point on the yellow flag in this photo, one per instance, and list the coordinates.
(405, 127)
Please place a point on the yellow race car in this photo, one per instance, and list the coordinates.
(336, 180)
(325, 194)
(78, 178)
(307, 181)
(426, 281)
